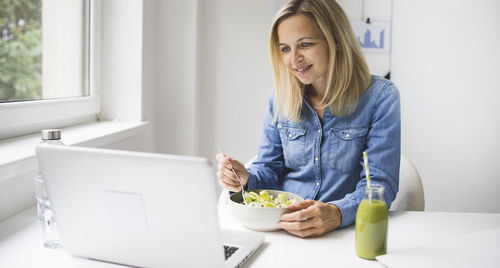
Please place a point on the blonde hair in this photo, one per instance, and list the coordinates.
(348, 76)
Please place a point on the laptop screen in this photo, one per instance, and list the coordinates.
(139, 209)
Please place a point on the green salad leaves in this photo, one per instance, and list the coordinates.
(264, 199)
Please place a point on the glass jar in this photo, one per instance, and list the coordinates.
(371, 223)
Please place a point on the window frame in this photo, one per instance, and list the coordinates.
(25, 117)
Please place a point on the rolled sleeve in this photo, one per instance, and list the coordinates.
(348, 206)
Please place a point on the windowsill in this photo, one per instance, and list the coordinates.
(91, 134)
(18, 163)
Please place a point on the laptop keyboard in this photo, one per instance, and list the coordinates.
(228, 251)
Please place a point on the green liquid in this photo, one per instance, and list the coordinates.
(371, 229)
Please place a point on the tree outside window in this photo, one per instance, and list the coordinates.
(20, 50)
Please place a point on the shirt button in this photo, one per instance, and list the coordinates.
(316, 159)
(290, 135)
(319, 130)
(317, 183)
(347, 135)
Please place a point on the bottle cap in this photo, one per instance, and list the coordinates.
(51, 134)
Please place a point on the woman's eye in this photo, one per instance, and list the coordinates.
(285, 49)
(307, 44)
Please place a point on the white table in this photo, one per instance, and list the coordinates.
(20, 244)
(408, 231)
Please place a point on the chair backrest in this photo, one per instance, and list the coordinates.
(411, 191)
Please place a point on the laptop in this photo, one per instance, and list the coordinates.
(139, 209)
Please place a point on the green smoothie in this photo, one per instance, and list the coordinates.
(371, 228)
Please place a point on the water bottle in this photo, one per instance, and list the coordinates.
(45, 215)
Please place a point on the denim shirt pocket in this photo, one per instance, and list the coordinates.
(293, 139)
(346, 147)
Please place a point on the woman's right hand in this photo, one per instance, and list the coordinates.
(225, 175)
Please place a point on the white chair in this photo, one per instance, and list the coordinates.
(411, 190)
(409, 197)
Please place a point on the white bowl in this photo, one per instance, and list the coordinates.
(258, 218)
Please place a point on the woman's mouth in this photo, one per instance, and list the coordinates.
(303, 69)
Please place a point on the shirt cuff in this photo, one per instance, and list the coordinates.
(348, 208)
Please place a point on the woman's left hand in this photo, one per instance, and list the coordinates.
(311, 218)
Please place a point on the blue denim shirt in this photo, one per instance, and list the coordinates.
(324, 162)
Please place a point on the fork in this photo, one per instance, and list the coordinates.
(239, 180)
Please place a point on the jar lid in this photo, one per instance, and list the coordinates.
(51, 134)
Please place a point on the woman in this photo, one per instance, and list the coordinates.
(326, 110)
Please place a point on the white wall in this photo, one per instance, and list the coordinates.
(149, 73)
(235, 75)
(213, 76)
(121, 46)
(446, 63)
(176, 97)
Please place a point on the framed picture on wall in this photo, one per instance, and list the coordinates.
(373, 36)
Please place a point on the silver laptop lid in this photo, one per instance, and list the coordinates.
(139, 209)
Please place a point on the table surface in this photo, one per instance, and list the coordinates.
(20, 244)
(408, 230)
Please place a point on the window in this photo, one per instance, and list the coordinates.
(48, 64)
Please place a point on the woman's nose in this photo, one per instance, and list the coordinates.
(296, 56)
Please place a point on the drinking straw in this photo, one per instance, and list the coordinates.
(367, 171)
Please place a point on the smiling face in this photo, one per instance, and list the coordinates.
(304, 50)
